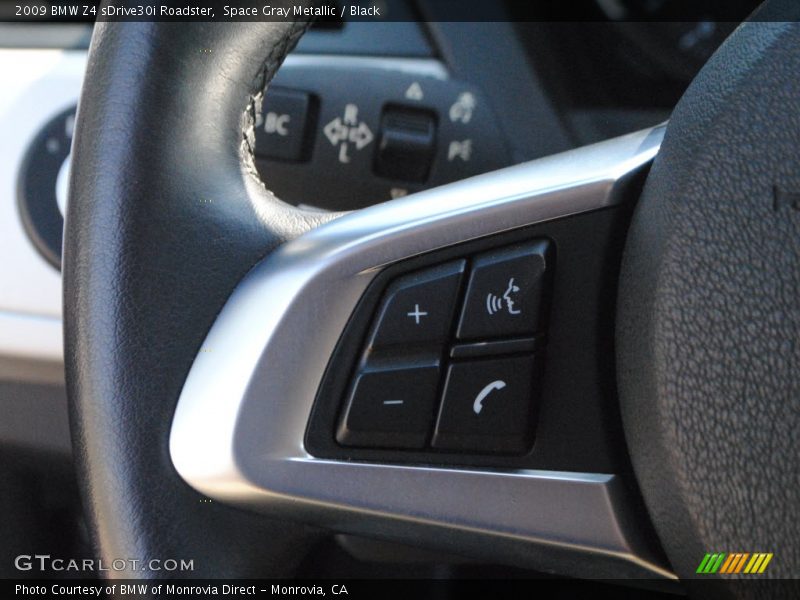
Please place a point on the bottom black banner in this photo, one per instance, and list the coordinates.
(414, 589)
(348, 589)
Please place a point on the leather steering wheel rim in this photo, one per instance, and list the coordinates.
(168, 215)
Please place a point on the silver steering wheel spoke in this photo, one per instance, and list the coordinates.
(239, 428)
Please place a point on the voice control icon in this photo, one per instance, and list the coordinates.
(495, 304)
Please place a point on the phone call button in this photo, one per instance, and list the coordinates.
(487, 406)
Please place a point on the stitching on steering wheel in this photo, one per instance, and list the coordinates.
(271, 65)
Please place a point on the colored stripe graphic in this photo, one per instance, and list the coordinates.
(758, 563)
(711, 563)
(734, 563)
(739, 566)
(703, 563)
(717, 564)
(764, 564)
(731, 567)
(754, 563)
(726, 566)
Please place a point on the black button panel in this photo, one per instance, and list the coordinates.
(450, 362)
(389, 134)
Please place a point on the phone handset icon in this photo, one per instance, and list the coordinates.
(477, 406)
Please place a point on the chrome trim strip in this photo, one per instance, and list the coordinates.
(238, 430)
(423, 67)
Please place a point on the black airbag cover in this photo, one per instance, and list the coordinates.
(709, 314)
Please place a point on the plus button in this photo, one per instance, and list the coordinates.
(417, 313)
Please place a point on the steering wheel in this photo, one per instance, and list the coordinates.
(201, 314)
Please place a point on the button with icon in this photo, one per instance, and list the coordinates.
(283, 125)
(418, 308)
(392, 407)
(505, 293)
(487, 406)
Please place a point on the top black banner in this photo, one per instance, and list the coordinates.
(340, 11)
